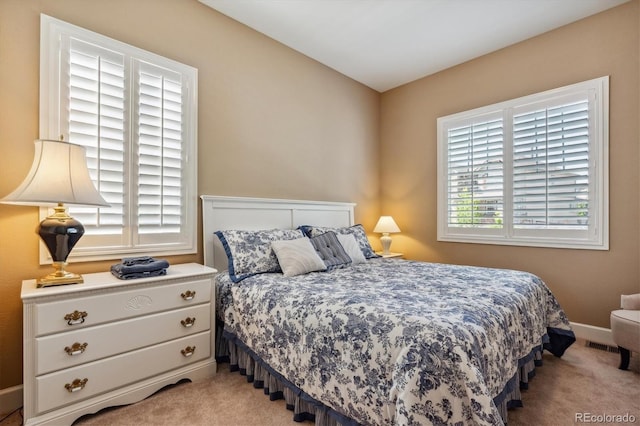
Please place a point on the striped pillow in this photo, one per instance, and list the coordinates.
(356, 230)
(297, 257)
(330, 250)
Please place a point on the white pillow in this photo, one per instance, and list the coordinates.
(297, 257)
(351, 246)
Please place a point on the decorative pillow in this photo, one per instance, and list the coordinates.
(351, 247)
(249, 252)
(297, 257)
(330, 250)
(356, 230)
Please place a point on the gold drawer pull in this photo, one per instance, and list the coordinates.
(188, 322)
(76, 349)
(76, 317)
(188, 351)
(76, 385)
(188, 295)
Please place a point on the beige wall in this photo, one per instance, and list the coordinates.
(587, 283)
(272, 123)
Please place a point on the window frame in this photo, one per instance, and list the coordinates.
(596, 236)
(54, 36)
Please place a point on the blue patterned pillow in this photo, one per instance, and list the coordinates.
(250, 253)
(356, 230)
(330, 250)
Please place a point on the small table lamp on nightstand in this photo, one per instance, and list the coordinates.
(386, 225)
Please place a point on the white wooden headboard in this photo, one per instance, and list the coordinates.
(223, 213)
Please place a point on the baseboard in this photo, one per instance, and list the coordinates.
(593, 333)
(10, 399)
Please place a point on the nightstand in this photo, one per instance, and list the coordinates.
(110, 342)
(390, 254)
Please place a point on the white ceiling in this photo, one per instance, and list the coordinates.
(386, 43)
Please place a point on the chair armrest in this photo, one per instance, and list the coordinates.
(630, 302)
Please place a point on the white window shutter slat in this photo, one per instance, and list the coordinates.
(475, 174)
(160, 150)
(551, 167)
(97, 121)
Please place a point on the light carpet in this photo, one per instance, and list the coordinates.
(584, 386)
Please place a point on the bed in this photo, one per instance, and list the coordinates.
(370, 340)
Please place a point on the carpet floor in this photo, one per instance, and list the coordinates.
(584, 386)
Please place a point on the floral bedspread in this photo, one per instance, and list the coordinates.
(397, 342)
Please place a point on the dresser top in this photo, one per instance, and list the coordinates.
(103, 280)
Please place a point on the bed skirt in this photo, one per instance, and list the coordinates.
(304, 407)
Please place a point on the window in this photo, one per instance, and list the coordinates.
(532, 171)
(136, 114)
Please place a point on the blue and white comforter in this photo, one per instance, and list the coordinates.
(398, 342)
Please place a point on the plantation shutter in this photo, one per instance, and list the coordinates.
(531, 171)
(96, 120)
(475, 174)
(551, 173)
(160, 150)
(137, 115)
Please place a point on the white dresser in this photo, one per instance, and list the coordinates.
(110, 342)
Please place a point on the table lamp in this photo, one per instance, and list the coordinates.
(58, 176)
(386, 225)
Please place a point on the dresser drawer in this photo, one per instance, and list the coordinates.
(64, 350)
(111, 373)
(82, 312)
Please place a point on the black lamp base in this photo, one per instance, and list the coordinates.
(60, 233)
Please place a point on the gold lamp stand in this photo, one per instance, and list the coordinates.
(59, 277)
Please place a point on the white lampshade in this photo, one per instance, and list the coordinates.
(59, 174)
(386, 224)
